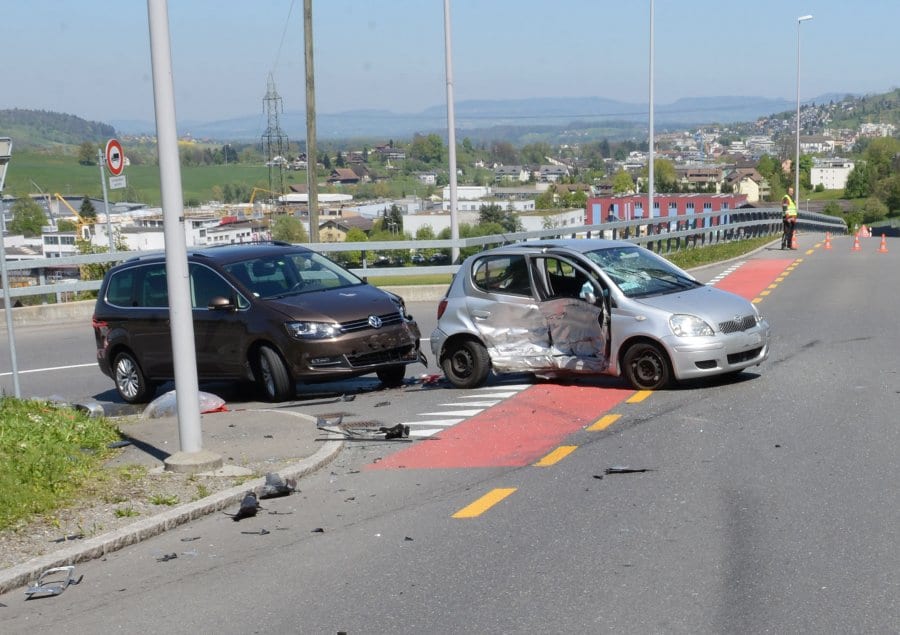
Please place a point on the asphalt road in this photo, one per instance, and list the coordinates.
(769, 504)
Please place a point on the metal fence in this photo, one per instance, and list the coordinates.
(663, 235)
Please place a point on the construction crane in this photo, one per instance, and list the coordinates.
(84, 229)
(274, 198)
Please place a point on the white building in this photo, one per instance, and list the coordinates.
(830, 173)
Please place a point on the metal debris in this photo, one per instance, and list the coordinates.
(167, 557)
(261, 532)
(624, 469)
(190, 539)
(54, 586)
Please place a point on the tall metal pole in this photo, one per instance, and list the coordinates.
(651, 185)
(800, 20)
(451, 132)
(311, 162)
(180, 314)
(5, 155)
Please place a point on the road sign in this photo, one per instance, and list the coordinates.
(115, 157)
(117, 182)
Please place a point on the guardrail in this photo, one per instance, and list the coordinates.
(663, 235)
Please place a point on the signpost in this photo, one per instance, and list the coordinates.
(114, 159)
(5, 154)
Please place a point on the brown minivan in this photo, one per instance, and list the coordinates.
(271, 313)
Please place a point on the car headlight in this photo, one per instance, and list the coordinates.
(312, 330)
(689, 326)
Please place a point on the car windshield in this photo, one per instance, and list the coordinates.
(281, 275)
(641, 273)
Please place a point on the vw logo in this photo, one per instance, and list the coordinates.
(375, 322)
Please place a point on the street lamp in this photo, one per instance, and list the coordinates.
(800, 20)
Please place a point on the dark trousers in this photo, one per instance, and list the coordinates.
(787, 238)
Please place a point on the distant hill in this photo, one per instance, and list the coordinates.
(477, 117)
(43, 129)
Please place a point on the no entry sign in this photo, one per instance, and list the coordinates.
(115, 157)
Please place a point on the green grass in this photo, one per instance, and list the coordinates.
(47, 453)
(690, 258)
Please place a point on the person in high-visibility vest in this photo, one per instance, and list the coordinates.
(789, 220)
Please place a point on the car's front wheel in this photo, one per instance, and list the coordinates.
(466, 363)
(131, 383)
(392, 376)
(646, 366)
(272, 376)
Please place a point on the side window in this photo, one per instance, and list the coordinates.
(206, 284)
(154, 288)
(563, 279)
(503, 274)
(120, 291)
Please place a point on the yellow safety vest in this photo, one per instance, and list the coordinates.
(791, 211)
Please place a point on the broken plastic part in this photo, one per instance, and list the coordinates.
(166, 405)
(47, 588)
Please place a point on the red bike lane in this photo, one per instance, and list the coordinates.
(525, 427)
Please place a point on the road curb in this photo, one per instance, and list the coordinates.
(22, 574)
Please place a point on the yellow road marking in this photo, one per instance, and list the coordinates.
(484, 503)
(764, 293)
(556, 456)
(639, 396)
(603, 422)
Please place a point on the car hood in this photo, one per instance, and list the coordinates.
(711, 304)
(335, 305)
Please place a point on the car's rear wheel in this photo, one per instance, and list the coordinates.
(647, 367)
(392, 375)
(272, 376)
(466, 363)
(131, 383)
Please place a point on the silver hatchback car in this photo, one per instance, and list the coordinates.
(584, 306)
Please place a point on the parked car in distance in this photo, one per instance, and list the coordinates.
(418, 259)
(272, 314)
(591, 306)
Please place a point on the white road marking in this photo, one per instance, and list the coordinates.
(45, 370)
(434, 422)
(463, 413)
(483, 404)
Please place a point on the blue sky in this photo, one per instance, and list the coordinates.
(91, 58)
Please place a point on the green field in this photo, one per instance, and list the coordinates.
(63, 174)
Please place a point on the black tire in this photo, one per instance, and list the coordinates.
(131, 383)
(392, 376)
(646, 366)
(272, 377)
(466, 363)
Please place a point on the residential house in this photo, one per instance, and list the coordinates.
(697, 177)
(552, 173)
(334, 230)
(343, 176)
(507, 173)
(747, 181)
(831, 174)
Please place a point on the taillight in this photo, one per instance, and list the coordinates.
(98, 323)
(442, 306)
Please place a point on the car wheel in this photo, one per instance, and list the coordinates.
(647, 366)
(466, 364)
(392, 375)
(272, 376)
(131, 383)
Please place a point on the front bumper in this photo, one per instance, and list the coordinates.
(719, 354)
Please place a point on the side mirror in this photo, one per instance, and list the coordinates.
(221, 303)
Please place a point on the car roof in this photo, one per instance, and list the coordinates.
(225, 254)
(580, 245)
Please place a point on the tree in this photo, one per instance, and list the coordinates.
(664, 175)
(622, 182)
(506, 219)
(66, 225)
(87, 153)
(858, 185)
(87, 210)
(504, 153)
(289, 229)
(28, 217)
(535, 153)
(428, 149)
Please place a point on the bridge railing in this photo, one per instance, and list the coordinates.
(664, 235)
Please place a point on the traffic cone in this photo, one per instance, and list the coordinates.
(882, 249)
(827, 240)
(856, 246)
(794, 239)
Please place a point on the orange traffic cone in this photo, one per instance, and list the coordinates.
(794, 239)
(856, 246)
(882, 249)
(827, 240)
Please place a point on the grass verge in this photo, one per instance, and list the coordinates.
(47, 453)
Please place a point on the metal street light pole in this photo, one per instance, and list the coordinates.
(800, 20)
(650, 174)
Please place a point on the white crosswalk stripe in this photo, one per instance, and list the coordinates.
(464, 406)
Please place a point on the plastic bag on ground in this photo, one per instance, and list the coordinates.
(166, 405)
